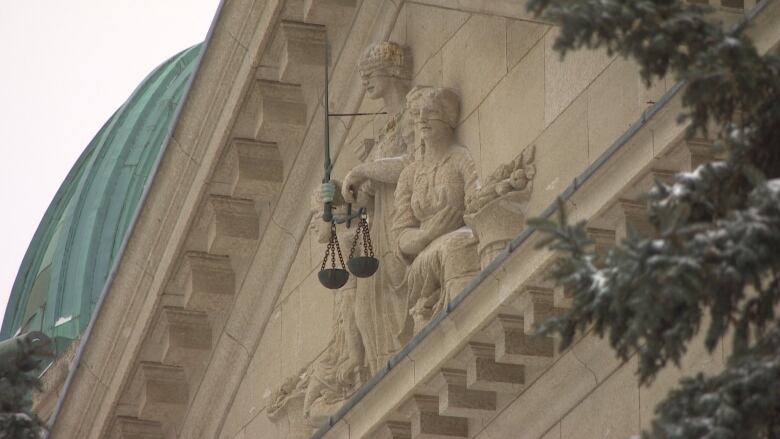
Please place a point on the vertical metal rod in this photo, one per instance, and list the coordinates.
(327, 213)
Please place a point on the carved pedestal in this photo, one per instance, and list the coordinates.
(498, 222)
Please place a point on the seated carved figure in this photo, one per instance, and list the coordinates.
(431, 198)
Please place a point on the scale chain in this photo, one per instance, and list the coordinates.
(367, 246)
(362, 229)
(331, 250)
(338, 248)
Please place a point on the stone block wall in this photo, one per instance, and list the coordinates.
(298, 331)
(588, 393)
(515, 92)
(217, 304)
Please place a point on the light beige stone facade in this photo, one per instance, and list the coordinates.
(216, 325)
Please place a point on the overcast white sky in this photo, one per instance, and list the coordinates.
(65, 67)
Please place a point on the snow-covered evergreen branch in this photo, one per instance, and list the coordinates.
(716, 247)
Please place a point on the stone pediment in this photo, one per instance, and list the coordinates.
(216, 303)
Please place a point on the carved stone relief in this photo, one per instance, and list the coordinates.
(380, 299)
(310, 394)
(371, 310)
(287, 404)
(433, 226)
(433, 193)
(499, 212)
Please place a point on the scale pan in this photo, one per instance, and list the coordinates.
(333, 278)
(363, 266)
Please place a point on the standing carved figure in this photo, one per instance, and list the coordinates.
(380, 302)
(433, 193)
(341, 369)
(370, 311)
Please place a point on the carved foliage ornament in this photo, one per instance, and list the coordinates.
(499, 212)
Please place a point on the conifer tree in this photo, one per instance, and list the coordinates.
(17, 421)
(713, 263)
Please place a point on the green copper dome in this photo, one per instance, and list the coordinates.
(70, 256)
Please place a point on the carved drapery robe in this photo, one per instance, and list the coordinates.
(424, 191)
(380, 301)
(341, 368)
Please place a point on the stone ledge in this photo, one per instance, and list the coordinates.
(525, 267)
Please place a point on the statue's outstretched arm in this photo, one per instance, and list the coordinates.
(385, 170)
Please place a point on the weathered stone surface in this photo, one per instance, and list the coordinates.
(395, 430)
(612, 105)
(597, 355)
(455, 399)
(398, 34)
(319, 11)
(291, 333)
(186, 333)
(226, 353)
(207, 275)
(514, 346)
(566, 79)
(260, 427)
(261, 378)
(502, 8)
(234, 222)
(484, 373)
(615, 404)
(316, 305)
(259, 169)
(562, 153)
(428, 424)
(535, 411)
(474, 60)
(584, 107)
(428, 29)
(432, 71)
(245, 126)
(538, 305)
(386, 398)
(304, 268)
(303, 53)
(282, 112)
(133, 428)
(164, 392)
(553, 433)
(512, 116)
(468, 134)
(521, 37)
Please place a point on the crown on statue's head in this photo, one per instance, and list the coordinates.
(389, 56)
